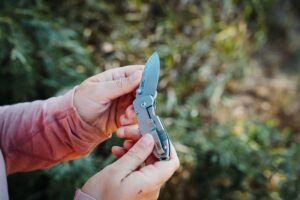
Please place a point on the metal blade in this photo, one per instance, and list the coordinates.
(149, 82)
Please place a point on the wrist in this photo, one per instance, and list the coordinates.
(84, 132)
(79, 105)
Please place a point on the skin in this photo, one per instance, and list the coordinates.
(104, 101)
(131, 133)
(126, 179)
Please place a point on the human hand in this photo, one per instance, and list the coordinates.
(126, 179)
(132, 134)
(102, 99)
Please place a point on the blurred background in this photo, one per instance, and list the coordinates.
(228, 93)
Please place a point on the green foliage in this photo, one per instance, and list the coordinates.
(207, 48)
(248, 160)
(39, 52)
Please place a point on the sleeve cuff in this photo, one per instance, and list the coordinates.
(79, 195)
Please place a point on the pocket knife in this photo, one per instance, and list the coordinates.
(145, 105)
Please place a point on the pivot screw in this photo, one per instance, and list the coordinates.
(144, 104)
(139, 91)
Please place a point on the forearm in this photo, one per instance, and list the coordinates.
(42, 133)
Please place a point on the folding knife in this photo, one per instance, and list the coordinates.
(145, 105)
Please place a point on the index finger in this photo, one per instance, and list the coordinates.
(130, 69)
(117, 73)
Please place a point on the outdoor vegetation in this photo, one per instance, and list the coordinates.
(229, 90)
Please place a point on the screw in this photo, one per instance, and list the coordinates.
(139, 91)
(144, 104)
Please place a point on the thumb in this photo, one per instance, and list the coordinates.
(123, 85)
(135, 156)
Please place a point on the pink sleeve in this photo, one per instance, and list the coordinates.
(79, 195)
(40, 134)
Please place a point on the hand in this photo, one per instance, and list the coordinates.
(131, 132)
(126, 179)
(102, 99)
(132, 135)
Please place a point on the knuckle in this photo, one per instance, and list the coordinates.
(120, 83)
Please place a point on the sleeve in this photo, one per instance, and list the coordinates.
(79, 195)
(40, 134)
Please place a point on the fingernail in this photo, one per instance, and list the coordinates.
(130, 113)
(123, 120)
(120, 132)
(147, 140)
